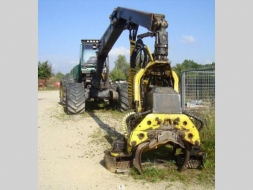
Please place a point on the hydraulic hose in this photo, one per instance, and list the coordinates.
(131, 74)
(125, 129)
(202, 123)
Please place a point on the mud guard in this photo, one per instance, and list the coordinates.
(137, 158)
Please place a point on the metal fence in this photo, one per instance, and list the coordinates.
(198, 89)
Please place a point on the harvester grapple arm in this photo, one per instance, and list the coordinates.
(153, 93)
(123, 18)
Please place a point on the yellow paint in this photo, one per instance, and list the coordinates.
(174, 75)
(149, 123)
(136, 85)
(114, 154)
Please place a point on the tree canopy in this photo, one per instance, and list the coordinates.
(187, 65)
(44, 70)
(120, 71)
(59, 75)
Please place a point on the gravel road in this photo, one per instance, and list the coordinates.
(71, 150)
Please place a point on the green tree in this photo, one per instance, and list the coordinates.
(121, 69)
(44, 70)
(212, 65)
(59, 75)
(117, 75)
(186, 65)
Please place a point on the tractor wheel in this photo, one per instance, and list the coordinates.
(63, 86)
(123, 103)
(114, 85)
(75, 99)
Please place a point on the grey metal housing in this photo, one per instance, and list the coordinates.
(164, 100)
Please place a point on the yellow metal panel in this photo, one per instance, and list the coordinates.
(181, 122)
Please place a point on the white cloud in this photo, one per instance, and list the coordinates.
(119, 50)
(187, 39)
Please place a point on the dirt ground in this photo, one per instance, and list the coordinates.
(71, 151)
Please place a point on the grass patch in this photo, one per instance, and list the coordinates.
(157, 174)
(151, 174)
(207, 136)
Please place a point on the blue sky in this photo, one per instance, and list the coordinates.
(63, 23)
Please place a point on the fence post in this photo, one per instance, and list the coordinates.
(182, 90)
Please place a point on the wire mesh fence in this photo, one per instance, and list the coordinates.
(198, 89)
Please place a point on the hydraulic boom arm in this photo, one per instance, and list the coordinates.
(123, 18)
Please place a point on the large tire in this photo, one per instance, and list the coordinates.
(114, 85)
(63, 86)
(75, 99)
(123, 103)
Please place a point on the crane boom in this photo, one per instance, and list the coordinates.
(124, 18)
